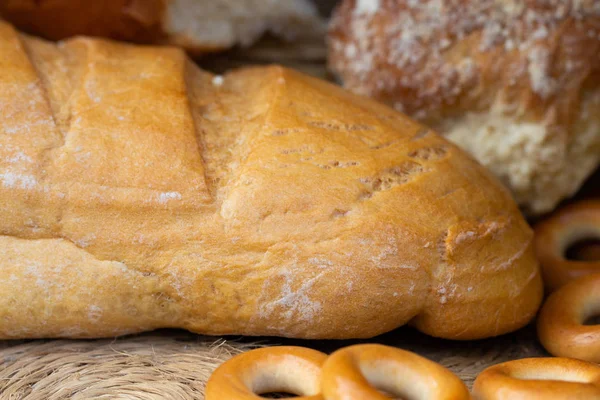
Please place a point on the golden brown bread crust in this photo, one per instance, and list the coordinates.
(514, 82)
(131, 20)
(551, 378)
(561, 325)
(140, 192)
(362, 370)
(556, 234)
(248, 375)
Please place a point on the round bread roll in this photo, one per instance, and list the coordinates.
(514, 82)
(198, 25)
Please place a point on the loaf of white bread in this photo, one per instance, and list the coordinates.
(140, 192)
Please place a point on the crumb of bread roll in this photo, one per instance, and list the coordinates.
(514, 82)
(140, 192)
(200, 26)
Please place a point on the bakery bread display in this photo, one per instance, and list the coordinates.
(539, 378)
(555, 235)
(562, 322)
(514, 82)
(198, 25)
(140, 192)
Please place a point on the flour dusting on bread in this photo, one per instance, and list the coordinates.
(272, 203)
(367, 6)
(13, 180)
(530, 64)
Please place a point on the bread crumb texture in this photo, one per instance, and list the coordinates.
(221, 24)
(140, 192)
(514, 82)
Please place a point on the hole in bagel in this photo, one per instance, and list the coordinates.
(395, 381)
(584, 250)
(591, 314)
(278, 395)
(391, 395)
(287, 377)
(593, 320)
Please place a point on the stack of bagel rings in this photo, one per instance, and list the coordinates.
(376, 372)
(574, 284)
(373, 371)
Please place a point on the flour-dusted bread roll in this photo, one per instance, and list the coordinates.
(140, 192)
(198, 25)
(514, 82)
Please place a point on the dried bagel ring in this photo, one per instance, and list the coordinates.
(561, 321)
(539, 378)
(288, 369)
(355, 372)
(554, 235)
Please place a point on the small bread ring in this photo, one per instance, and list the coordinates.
(287, 369)
(348, 374)
(553, 237)
(539, 378)
(560, 323)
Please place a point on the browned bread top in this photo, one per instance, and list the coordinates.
(428, 57)
(137, 20)
(140, 192)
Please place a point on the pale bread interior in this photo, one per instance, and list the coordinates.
(225, 23)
